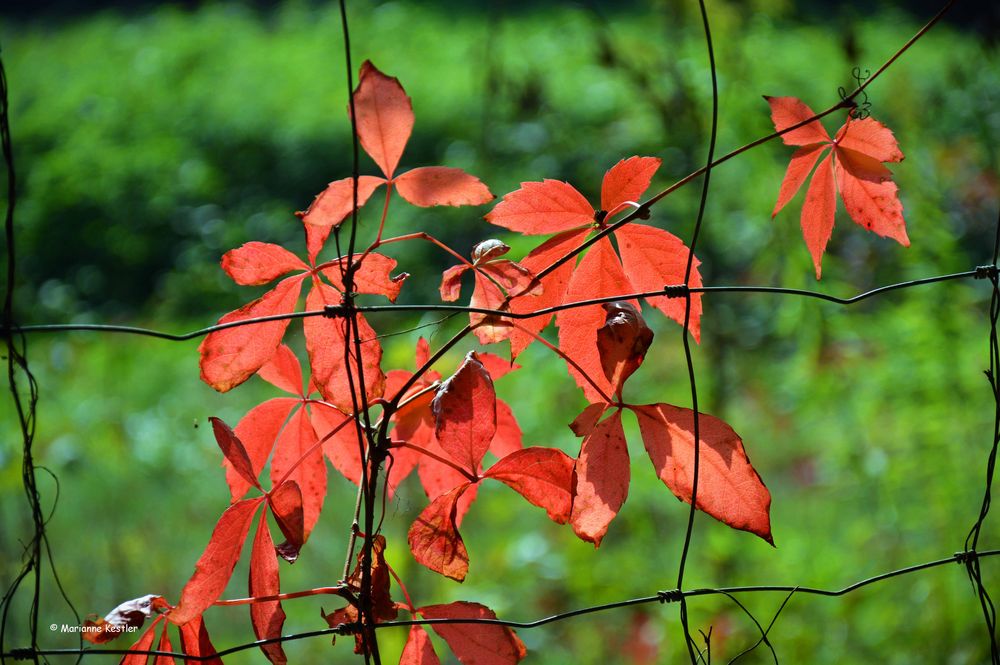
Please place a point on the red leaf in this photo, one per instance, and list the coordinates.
(441, 186)
(475, 644)
(298, 442)
(144, 643)
(215, 566)
(542, 207)
(488, 328)
(803, 161)
(196, 642)
(234, 452)
(788, 111)
(729, 488)
(585, 423)
(870, 137)
(627, 180)
(553, 286)
(342, 448)
(231, 356)
(543, 476)
(508, 437)
(599, 275)
(437, 479)
(513, 277)
(258, 430)
(165, 646)
(496, 365)
(622, 342)
(384, 117)
(267, 617)
(418, 649)
(129, 615)
(283, 371)
(372, 276)
(434, 538)
(870, 196)
(451, 282)
(325, 342)
(285, 502)
(465, 413)
(818, 213)
(258, 263)
(654, 258)
(331, 207)
(602, 480)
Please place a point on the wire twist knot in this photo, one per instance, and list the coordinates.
(22, 653)
(672, 596)
(984, 272)
(676, 290)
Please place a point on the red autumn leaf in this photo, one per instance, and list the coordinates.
(267, 617)
(475, 644)
(196, 642)
(166, 647)
(373, 275)
(234, 452)
(508, 437)
(257, 430)
(342, 448)
(488, 328)
(331, 207)
(129, 615)
(438, 478)
(434, 538)
(257, 263)
(465, 413)
(602, 479)
(553, 287)
(441, 185)
(729, 488)
(231, 356)
(542, 207)
(383, 607)
(654, 258)
(215, 566)
(296, 447)
(599, 275)
(325, 341)
(418, 649)
(585, 423)
(543, 476)
(852, 166)
(622, 342)
(384, 117)
(497, 366)
(144, 643)
(283, 371)
(285, 502)
(627, 181)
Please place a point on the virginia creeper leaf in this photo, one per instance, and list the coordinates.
(195, 641)
(130, 614)
(418, 649)
(729, 488)
(465, 413)
(602, 479)
(441, 186)
(374, 275)
(869, 195)
(285, 502)
(508, 437)
(789, 111)
(215, 566)
(542, 207)
(144, 643)
(627, 181)
(164, 645)
(585, 423)
(434, 538)
(331, 207)
(257, 263)
(283, 371)
(258, 430)
(475, 644)
(384, 117)
(231, 356)
(622, 342)
(451, 282)
(818, 213)
(267, 617)
(543, 476)
(297, 448)
(234, 452)
(342, 448)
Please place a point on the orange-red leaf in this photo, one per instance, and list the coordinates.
(374, 275)
(286, 502)
(258, 263)
(267, 617)
(488, 328)
(331, 207)
(441, 186)
(553, 286)
(437, 479)
(215, 566)
(585, 423)
(451, 282)
(434, 538)
(872, 138)
(234, 452)
(465, 413)
(325, 342)
(384, 117)
(602, 479)
(622, 342)
(508, 436)
(231, 356)
(342, 448)
(475, 644)
(165, 646)
(142, 644)
(654, 258)
(599, 275)
(803, 161)
(195, 641)
(418, 649)
(128, 616)
(542, 207)
(543, 476)
(258, 430)
(789, 111)
(627, 180)
(818, 212)
(297, 446)
(283, 371)
(729, 489)
(869, 195)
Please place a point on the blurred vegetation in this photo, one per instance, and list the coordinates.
(148, 144)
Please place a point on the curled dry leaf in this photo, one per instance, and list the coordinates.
(622, 342)
(129, 615)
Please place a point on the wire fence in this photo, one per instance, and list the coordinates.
(25, 398)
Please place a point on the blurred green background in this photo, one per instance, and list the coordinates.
(151, 140)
